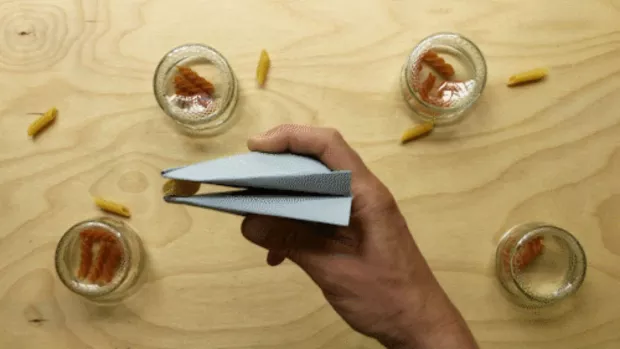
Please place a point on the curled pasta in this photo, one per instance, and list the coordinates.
(526, 254)
(528, 76)
(416, 132)
(112, 207)
(107, 260)
(42, 122)
(102, 255)
(264, 63)
(184, 87)
(112, 263)
(188, 83)
(438, 64)
(427, 86)
(86, 255)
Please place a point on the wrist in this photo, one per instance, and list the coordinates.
(429, 321)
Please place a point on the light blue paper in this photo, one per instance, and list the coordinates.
(290, 186)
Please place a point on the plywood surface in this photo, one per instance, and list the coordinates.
(546, 152)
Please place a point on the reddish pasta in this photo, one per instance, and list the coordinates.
(427, 86)
(108, 257)
(192, 83)
(525, 255)
(112, 263)
(438, 64)
(184, 87)
(102, 255)
(86, 256)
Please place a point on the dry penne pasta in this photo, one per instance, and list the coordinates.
(528, 76)
(112, 207)
(42, 122)
(180, 188)
(416, 132)
(264, 63)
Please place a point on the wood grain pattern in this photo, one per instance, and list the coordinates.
(549, 151)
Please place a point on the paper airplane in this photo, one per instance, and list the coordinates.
(281, 185)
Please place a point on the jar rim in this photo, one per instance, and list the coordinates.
(229, 102)
(536, 229)
(575, 248)
(480, 70)
(65, 275)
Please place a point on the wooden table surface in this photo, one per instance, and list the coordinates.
(549, 152)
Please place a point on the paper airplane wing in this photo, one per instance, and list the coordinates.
(321, 209)
(287, 172)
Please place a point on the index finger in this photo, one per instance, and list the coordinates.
(327, 145)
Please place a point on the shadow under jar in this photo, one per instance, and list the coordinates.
(539, 264)
(443, 77)
(196, 87)
(101, 259)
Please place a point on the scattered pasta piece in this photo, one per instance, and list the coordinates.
(42, 122)
(180, 188)
(264, 63)
(112, 207)
(528, 76)
(416, 132)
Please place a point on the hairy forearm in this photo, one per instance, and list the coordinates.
(427, 318)
(435, 324)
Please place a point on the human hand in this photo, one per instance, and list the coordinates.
(372, 272)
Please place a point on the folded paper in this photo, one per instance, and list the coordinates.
(281, 185)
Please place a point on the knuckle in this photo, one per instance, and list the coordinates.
(375, 196)
(334, 135)
(386, 201)
(390, 203)
(290, 240)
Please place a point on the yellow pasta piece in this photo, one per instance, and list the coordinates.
(42, 122)
(112, 207)
(180, 188)
(528, 76)
(416, 132)
(264, 63)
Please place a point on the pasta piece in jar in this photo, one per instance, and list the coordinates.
(438, 64)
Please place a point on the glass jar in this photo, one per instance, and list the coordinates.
(100, 259)
(443, 77)
(196, 87)
(540, 264)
